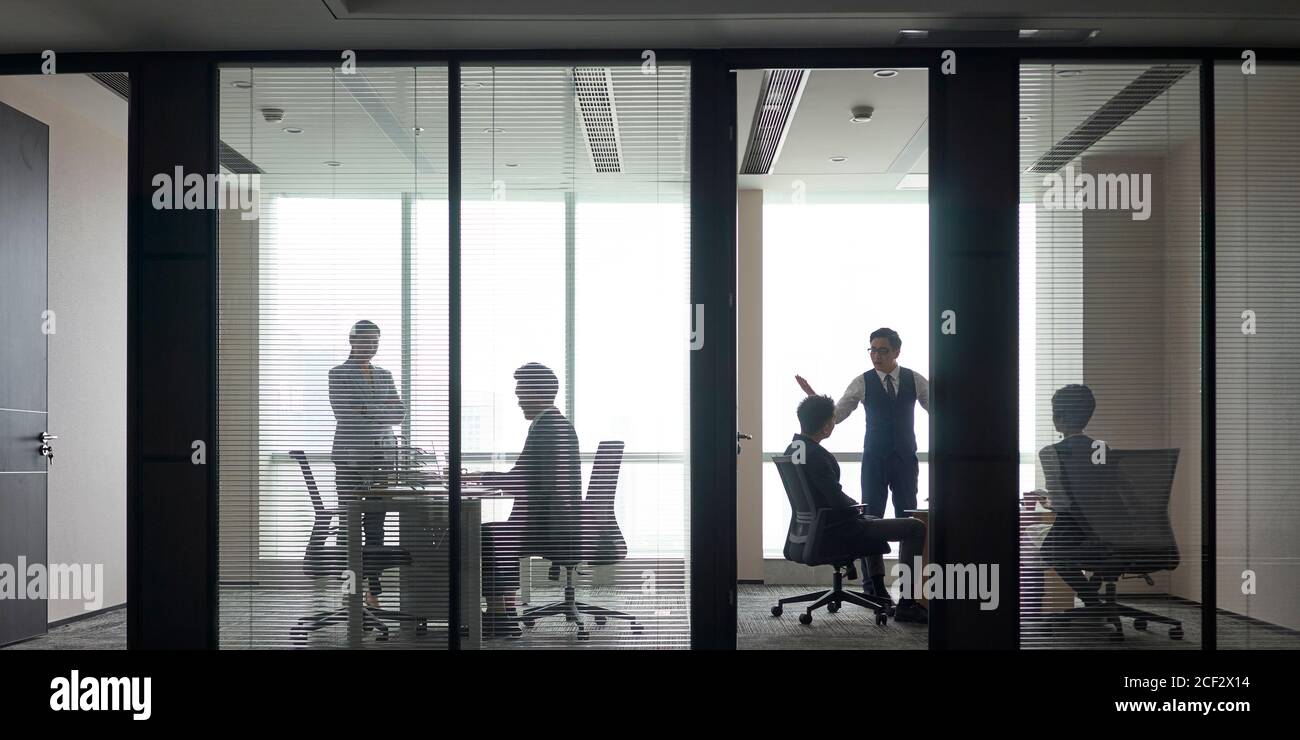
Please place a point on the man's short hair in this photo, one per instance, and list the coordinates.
(1073, 405)
(895, 341)
(814, 412)
(364, 326)
(538, 380)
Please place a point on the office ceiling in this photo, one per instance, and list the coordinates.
(148, 25)
(521, 133)
(877, 154)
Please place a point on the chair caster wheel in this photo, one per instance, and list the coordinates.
(1175, 633)
(1139, 624)
(600, 621)
(584, 635)
(529, 622)
(805, 618)
(776, 611)
(421, 627)
(882, 619)
(637, 628)
(833, 607)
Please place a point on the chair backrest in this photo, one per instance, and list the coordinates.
(602, 539)
(799, 537)
(321, 527)
(1146, 536)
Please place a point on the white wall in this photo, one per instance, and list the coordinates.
(87, 292)
(749, 352)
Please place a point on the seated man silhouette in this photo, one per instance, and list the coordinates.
(546, 485)
(852, 530)
(1078, 480)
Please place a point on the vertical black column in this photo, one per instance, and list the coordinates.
(974, 195)
(1209, 439)
(171, 335)
(453, 354)
(713, 364)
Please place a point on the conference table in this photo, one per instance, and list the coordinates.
(424, 531)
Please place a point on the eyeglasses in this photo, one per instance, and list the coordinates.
(880, 350)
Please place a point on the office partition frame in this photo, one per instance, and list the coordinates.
(172, 310)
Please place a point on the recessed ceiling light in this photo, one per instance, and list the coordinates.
(291, 130)
(494, 130)
(885, 74)
(1069, 72)
(332, 163)
(241, 84)
(418, 130)
(838, 160)
(861, 114)
(471, 85)
(511, 164)
(1026, 118)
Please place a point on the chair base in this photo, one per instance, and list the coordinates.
(371, 619)
(832, 599)
(1112, 612)
(573, 610)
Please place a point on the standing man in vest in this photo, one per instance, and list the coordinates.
(888, 393)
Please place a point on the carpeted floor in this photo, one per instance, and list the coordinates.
(663, 626)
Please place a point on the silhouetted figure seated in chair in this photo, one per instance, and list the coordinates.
(828, 527)
(1070, 475)
(546, 485)
(1112, 514)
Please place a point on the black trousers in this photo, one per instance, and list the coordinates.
(351, 479)
(1070, 549)
(895, 471)
(909, 533)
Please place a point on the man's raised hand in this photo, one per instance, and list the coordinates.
(804, 385)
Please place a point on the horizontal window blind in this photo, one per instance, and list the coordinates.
(1257, 332)
(575, 276)
(1110, 321)
(333, 359)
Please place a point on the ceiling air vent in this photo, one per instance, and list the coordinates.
(1134, 97)
(594, 87)
(778, 97)
(118, 82)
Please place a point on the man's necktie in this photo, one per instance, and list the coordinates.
(889, 388)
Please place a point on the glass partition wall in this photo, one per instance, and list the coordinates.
(1257, 269)
(334, 357)
(1111, 361)
(574, 299)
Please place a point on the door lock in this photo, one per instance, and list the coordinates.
(46, 449)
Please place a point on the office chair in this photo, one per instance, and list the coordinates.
(599, 542)
(1134, 534)
(802, 545)
(330, 561)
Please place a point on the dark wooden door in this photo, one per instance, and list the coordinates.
(24, 189)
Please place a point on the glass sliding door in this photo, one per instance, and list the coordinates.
(1257, 321)
(332, 364)
(574, 304)
(1111, 361)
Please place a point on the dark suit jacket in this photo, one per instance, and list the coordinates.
(546, 483)
(842, 527)
(1076, 486)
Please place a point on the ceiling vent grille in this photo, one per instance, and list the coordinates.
(1134, 97)
(118, 82)
(778, 97)
(594, 87)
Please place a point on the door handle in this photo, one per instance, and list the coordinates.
(46, 449)
(740, 436)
